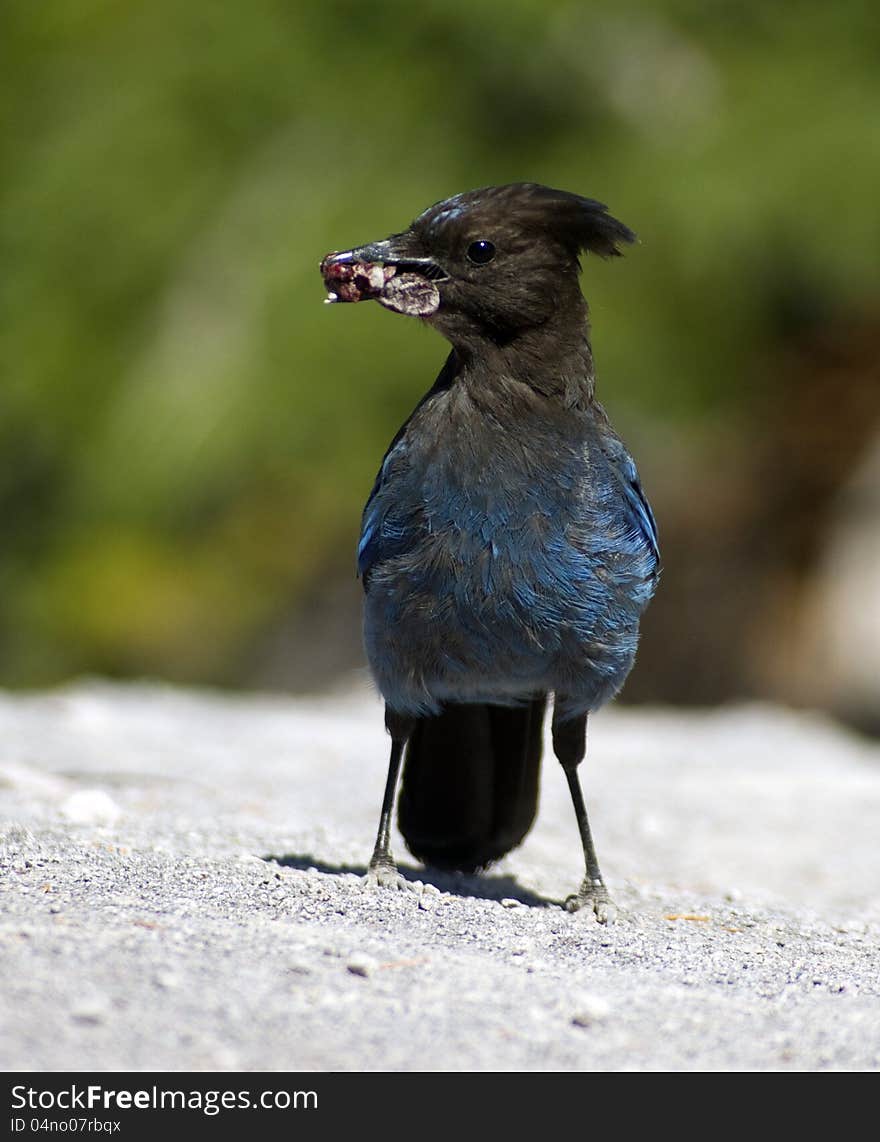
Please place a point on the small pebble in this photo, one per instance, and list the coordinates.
(590, 1009)
(90, 807)
(362, 966)
(90, 1009)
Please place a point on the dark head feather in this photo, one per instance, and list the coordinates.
(531, 211)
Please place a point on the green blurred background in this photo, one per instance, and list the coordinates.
(188, 434)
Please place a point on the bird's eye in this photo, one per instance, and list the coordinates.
(480, 252)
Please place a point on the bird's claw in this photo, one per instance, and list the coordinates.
(383, 873)
(594, 897)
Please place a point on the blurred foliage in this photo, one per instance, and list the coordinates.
(188, 435)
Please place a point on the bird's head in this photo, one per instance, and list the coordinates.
(484, 265)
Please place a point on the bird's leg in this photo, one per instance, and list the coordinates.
(570, 745)
(383, 870)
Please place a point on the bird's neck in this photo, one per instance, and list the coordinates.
(553, 359)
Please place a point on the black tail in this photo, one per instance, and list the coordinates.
(470, 783)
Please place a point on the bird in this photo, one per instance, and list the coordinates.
(507, 549)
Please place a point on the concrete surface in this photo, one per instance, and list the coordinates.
(180, 889)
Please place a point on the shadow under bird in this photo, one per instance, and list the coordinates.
(507, 550)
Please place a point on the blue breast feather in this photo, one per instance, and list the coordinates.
(534, 525)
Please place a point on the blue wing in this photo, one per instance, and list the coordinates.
(386, 530)
(625, 469)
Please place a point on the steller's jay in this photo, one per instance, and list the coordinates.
(507, 549)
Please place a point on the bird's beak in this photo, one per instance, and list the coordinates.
(391, 272)
(395, 251)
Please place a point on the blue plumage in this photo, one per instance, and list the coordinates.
(504, 559)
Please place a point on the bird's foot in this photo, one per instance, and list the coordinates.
(383, 873)
(594, 895)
